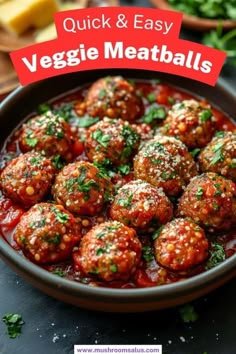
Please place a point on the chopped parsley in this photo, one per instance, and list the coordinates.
(14, 322)
(199, 193)
(31, 141)
(58, 272)
(43, 108)
(124, 169)
(153, 147)
(151, 97)
(85, 122)
(101, 251)
(156, 234)
(86, 187)
(131, 139)
(217, 255)
(170, 100)
(61, 217)
(101, 138)
(219, 156)
(215, 206)
(65, 111)
(126, 203)
(102, 94)
(188, 314)
(56, 239)
(195, 152)
(101, 234)
(220, 134)
(36, 160)
(154, 114)
(58, 162)
(147, 253)
(205, 115)
(114, 268)
(53, 129)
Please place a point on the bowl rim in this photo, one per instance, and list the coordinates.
(27, 267)
(194, 22)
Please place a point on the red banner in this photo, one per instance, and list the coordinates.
(118, 37)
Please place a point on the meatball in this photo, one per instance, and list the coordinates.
(191, 122)
(111, 251)
(27, 179)
(113, 140)
(210, 200)
(181, 245)
(81, 188)
(165, 162)
(142, 206)
(113, 97)
(47, 233)
(219, 155)
(49, 133)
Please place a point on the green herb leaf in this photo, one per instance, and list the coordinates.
(155, 113)
(101, 138)
(156, 234)
(188, 314)
(205, 115)
(124, 169)
(195, 152)
(199, 193)
(114, 268)
(58, 272)
(85, 122)
(43, 108)
(61, 217)
(151, 97)
(57, 162)
(31, 141)
(217, 255)
(147, 253)
(14, 322)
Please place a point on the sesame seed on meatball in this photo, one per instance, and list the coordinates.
(113, 97)
(210, 200)
(141, 205)
(111, 139)
(81, 188)
(47, 233)
(27, 179)
(219, 155)
(110, 251)
(191, 122)
(49, 133)
(181, 245)
(166, 163)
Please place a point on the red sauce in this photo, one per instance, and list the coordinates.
(148, 273)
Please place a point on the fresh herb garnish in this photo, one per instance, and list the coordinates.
(205, 115)
(199, 193)
(85, 122)
(220, 134)
(57, 162)
(131, 139)
(101, 138)
(114, 268)
(151, 97)
(195, 152)
(155, 113)
(218, 157)
(156, 234)
(188, 314)
(124, 169)
(58, 272)
(43, 108)
(31, 141)
(126, 203)
(217, 255)
(102, 94)
(60, 216)
(14, 322)
(147, 253)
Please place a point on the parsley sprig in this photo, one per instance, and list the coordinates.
(14, 322)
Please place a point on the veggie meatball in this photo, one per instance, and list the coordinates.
(111, 251)
(47, 233)
(49, 133)
(165, 162)
(219, 155)
(113, 97)
(27, 179)
(210, 200)
(113, 140)
(140, 205)
(181, 245)
(191, 122)
(81, 188)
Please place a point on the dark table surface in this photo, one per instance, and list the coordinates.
(54, 327)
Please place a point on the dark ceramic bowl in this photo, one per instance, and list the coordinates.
(24, 100)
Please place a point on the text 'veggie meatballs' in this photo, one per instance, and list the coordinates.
(181, 245)
(165, 162)
(49, 133)
(210, 200)
(140, 205)
(47, 233)
(81, 188)
(110, 251)
(113, 140)
(27, 179)
(219, 155)
(191, 122)
(113, 97)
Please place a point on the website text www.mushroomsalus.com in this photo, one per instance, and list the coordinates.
(116, 349)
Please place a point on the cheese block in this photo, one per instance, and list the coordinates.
(50, 32)
(16, 16)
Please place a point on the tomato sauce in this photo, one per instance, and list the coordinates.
(148, 273)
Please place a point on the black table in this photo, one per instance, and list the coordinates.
(54, 327)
